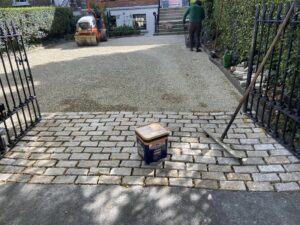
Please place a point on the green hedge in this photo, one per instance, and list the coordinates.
(37, 23)
(232, 23)
(123, 31)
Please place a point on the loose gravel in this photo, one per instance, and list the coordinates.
(142, 73)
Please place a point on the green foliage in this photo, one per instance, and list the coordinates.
(231, 22)
(123, 31)
(38, 23)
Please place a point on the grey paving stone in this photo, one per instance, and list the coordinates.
(291, 176)
(88, 163)
(101, 156)
(143, 172)
(64, 179)
(259, 186)
(196, 167)
(71, 144)
(125, 144)
(64, 163)
(280, 152)
(119, 156)
(156, 181)
(189, 174)
(292, 167)
(130, 163)
(174, 165)
(213, 176)
(180, 145)
(78, 156)
(109, 163)
(277, 160)
(87, 180)
(245, 169)
(38, 179)
(233, 185)
(75, 171)
(107, 144)
(291, 186)
(219, 168)
(82, 138)
(24, 162)
(6, 161)
(271, 168)
(205, 159)
(238, 176)
(89, 143)
(182, 158)
(265, 177)
(181, 182)
(199, 145)
(166, 173)
(60, 156)
(4, 176)
(121, 171)
(257, 153)
(112, 150)
(228, 161)
(109, 179)
(40, 156)
(20, 178)
(251, 141)
(264, 147)
(45, 163)
(133, 180)
(207, 184)
(253, 161)
(55, 171)
(34, 170)
(74, 149)
(99, 171)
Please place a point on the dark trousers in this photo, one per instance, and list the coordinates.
(195, 32)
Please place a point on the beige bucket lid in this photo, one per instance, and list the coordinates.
(152, 131)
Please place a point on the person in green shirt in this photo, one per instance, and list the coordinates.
(196, 15)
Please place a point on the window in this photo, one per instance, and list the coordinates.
(21, 2)
(139, 21)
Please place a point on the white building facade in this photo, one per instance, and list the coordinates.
(141, 16)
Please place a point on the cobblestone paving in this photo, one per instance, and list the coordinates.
(100, 148)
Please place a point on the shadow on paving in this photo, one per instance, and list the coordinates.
(116, 205)
(141, 80)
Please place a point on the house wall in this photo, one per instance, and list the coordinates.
(126, 3)
(40, 2)
(5, 3)
(124, 16)
(10, 3)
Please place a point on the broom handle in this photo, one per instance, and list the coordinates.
(267, 56)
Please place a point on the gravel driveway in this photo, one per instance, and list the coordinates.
(130, 74)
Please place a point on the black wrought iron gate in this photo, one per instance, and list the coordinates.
(274, 103)
(19, 108)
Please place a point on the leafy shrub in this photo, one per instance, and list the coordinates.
(38, 23)
(232, 24)
(123, 31)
